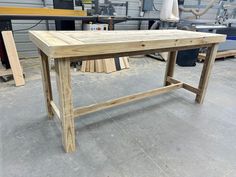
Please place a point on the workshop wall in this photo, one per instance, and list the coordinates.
(26, 49)
(24, 46)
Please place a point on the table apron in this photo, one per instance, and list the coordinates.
(131, 53)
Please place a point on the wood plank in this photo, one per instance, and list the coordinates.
(191, 88)
(121, 41)
(122, 64)
(201, 56)
(63, 77)
(108, 65)
(126, 62)
(91, 66)
(206, 71)
(113, 65)
(124, 100)
(87, 69)
(185, 85)
(55, 109)
(13, 58)
(228, 53)
(83, 66)
(65, 38)
(170, 66)
(105, 65)
(99, 66)
(222, 54)
(135, 53)
(47, 87)
(40, 11)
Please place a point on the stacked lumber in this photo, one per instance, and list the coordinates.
(105, 65)
(219, 55)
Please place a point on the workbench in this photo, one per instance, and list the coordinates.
(65, 46)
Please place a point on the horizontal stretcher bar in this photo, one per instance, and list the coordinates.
(126, 99)
(175, 84)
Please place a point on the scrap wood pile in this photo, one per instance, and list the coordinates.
(105, 65)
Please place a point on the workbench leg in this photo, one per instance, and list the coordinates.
(206, 71)
(47, 88)
(170, 66)
(62, 68)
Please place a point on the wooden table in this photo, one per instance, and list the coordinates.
(65, 46)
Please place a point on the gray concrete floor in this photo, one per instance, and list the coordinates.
(163, 136)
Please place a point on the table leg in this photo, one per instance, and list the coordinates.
(206, 71)
(62, 68)
(47, 88)
(170, 66)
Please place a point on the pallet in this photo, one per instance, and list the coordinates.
(219, 55)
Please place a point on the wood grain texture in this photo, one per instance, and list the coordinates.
(113, 65)
(62, 68)
(170, 66)
(185, 85)
(47, 87)
(125, 100)
(122, 64)
(206, 71)
(126, 62)
(55, 109)
(91, 66)
(109, 65)
(83, 66)
(99, 66)
(90, 43)
(40, 11)
(13, 58)
(87, 68)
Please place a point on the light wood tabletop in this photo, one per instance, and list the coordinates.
(58, 44)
